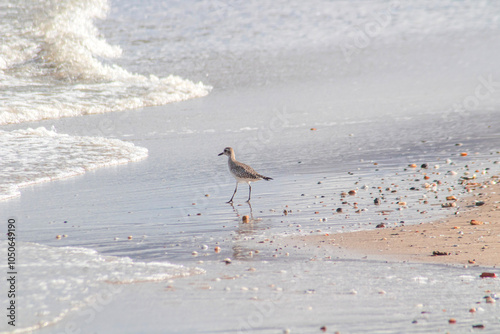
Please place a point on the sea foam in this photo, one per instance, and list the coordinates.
(69, 279)
(55, 63)
(39, 155)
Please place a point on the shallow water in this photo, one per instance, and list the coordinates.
(409, 96)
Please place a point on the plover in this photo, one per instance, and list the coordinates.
(241, 172)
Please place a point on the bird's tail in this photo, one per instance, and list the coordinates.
(266, 178)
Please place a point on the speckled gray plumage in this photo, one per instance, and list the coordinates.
(242, 172)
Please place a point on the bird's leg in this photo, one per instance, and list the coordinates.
(231, 200)
(249, 192)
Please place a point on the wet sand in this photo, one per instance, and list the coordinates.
(455, 238)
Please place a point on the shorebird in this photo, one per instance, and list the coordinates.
(241, 172)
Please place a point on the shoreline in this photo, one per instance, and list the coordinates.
(454, 238)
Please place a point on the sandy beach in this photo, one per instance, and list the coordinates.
(112, 116)
(470, 237)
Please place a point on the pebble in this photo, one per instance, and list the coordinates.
(246, 219)
(452, 321)
(486, 274)
(194, 253)
(217, 249)
(463, 154)
(227, 260)
(58, 236)
(129, 237)
(451, 198)
(476, 222)
(381, 225)
(204, 247)
(352, 192)
(489, 300)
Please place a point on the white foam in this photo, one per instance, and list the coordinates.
(39, 155)
(59, 280)
(51, 65)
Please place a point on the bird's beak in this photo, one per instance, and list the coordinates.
(221, 153)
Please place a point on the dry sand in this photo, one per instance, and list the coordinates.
(456, 236)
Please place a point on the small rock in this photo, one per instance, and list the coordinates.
(451, 198)
(129, 237)
(339, 210)
(376, 201)
(486, 274)
(381, 225)
(217, 249)
(476, 222)
(452, 321)
(439, 253)
(352, 192)
(480, 203)
(489, 300)
(227, 260)
(246, 219)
